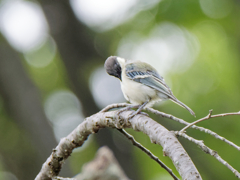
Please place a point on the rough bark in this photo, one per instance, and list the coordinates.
(157, 134)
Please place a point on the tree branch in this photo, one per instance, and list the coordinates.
(157, 134)
(149, 153)
(207, 150)
(61, 178)
(103, 167)
(207, 117)
(205, 130)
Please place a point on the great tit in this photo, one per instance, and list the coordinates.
(140, 82)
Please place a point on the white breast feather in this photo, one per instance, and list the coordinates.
(135, 92)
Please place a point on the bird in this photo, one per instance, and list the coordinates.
(141, 84)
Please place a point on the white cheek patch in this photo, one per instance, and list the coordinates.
(121, 61)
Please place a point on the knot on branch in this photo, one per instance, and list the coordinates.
(121, 121)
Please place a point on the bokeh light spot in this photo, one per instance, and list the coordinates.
(216, 8)
(63, 109)
(7, 176)
(105, 89)
(23, 24)
(42, 56)
(167, 48)
(105, 14)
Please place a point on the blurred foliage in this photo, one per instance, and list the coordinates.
(211, 82)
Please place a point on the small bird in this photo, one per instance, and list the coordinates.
(140, 82)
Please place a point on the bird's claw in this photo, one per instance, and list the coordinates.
(123, 109)
(136, 113)
(145, 114)
(132, 114)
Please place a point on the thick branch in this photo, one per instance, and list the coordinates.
(149, 153)
(103, 167)
(169, 116)
(157, 134)
(205, 130)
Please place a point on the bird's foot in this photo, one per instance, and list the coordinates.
(136, 113)
(126, 109)
(132, 115)
(145, 114)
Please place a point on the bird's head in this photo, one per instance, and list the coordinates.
(114, 66)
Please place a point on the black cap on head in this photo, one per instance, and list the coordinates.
(113, 67)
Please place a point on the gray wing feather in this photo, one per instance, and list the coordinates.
(155, 84)
(155, 81)
(151, 79)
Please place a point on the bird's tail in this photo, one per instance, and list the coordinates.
(183, 105)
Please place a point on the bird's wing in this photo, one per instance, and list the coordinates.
(153, 80)
(150, 79)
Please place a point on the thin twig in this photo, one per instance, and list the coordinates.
(149, 153)
(207, 117)
(111, 106)
(61, 178)
(200, 143)
(207, 150)
(205, 130)
(210, 113)
(169, 116)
